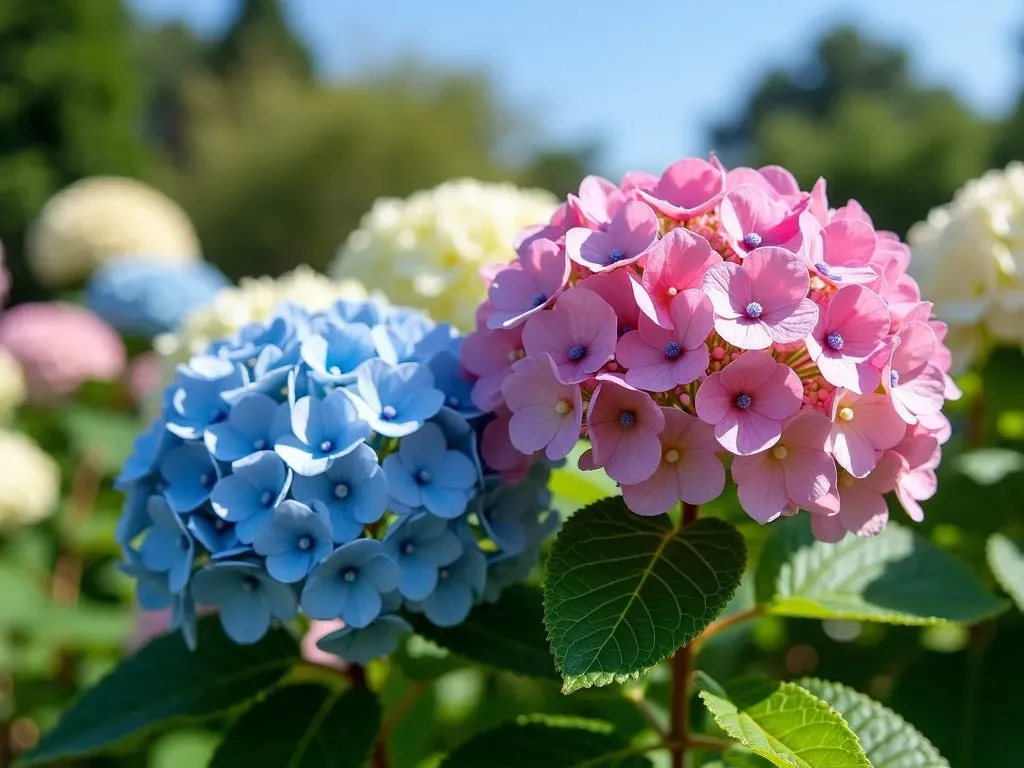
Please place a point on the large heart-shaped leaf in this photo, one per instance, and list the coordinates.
(303, 726)
(888, 740)
(783, 723)
(623, 592)
(166, 681)
(895, 577)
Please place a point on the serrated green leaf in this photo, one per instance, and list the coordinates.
(539, 741)
(1006, 560)
(888, 740)
(166, 681)
(783, 723)
(895, 577)
(303, 726)
(623, 592)
(508, 634)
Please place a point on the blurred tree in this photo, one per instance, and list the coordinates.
(558, 170)
(260, 25)
(854, 115)
(68, 108)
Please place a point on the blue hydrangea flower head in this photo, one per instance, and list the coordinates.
(145, 297)
(325, 462)
(349, 584)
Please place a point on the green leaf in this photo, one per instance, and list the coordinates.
(1006, 560)
(783, 723)
(895, 577)
(303, 726)
(547, 742)
(508, 634)
(623, 592)
(165, 681)
(888, 740)
(104, 436)
(988, 466)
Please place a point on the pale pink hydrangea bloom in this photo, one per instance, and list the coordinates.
(710, 321)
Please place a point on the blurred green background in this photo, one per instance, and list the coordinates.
(276, 163)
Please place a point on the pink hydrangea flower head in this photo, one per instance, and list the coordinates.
(862, 427)
(497, 450)
(598, 202)
(748, 401)
(579, 334)
(917, 481)
(761, 301)
(624, 425)
(617, 288)
(638, 180)
(849, 332)
(796, 470)
(632, 231)
(660, 359)
(690, 470)
(59, 347)
(861, 502)
(311, 651)
(913, 381)
(838, 254)
(676, 263)
(686, 189)
(529, 285)
(489, 355)
(546, 414)
(753, 218)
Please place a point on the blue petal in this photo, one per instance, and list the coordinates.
(444, 549)
(361, 604)
(418, 578)
(380, 638)
(381, 571)
(289, 566)
(245, 617)
(420, 450)
(449, 605)
(454, 470)
(300, 457)
(447, 503)
(402, 486)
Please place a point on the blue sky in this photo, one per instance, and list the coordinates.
(643, 79)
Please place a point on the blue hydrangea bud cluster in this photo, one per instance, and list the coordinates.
(145, 297)
(326, 463)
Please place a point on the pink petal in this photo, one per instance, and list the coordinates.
(762, 492)
(915, 349)
(849, 243)
(863, 512)
(535, 383)
(861, 317)
(748, 372)
(909, 504)
(922, 395)
(792, 323)
(809, 474)
(616, 288)
(714, 400)
(677, 262)
(654, 496)
(633, 458)
(588, 247)
(840, 371)
(565, 439)
(875, 417)
(744, 333)
(778, 277)
(546, 334)
(635, 227)
(749, 209)
(780, 396)
(883, 478)
(533, 427)
(687, 188)
(485, 351)
(729, 288)
(649, 368)
(807, 430)
(852, 450)
(591, 322)
(744, 432)
(693, 318)
(781, 180)
(700, 476)
(655, 335)
(827, 529)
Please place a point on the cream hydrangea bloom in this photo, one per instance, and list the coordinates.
(12, 383)
(29, 481)
(254, 299)
(427, 250)
(101, 218)
(968, 257)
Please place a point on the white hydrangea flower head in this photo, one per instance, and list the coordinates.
(254, 299)
(102, 218)
(12, 383)
(29, 482)
(427, 250)
(968, 257)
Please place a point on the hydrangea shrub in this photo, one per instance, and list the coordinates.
(325, 464)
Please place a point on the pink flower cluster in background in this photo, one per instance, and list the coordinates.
(706, 315)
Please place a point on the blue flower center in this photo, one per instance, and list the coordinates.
(615, 256)
(349, 575)
(341, 491)
(408, 547)
(250, 584)
(627, 419)
(159, 486)
(754, 310)
(752, 239)
(443, 573)
(625, 329)
(835, 340)
(823, 269)
(206, 479)
(894, 377)
(267, 499)
(388, 412)
(422, 477)
(577, 352)
(326, 446)
(218, 416)
(219, 525)
(305, 543)
(184, 541)
(743, 401)
(259, 445)
(539, 299)
(453, 402)
(672, 349)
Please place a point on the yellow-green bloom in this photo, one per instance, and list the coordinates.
(29, 482)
